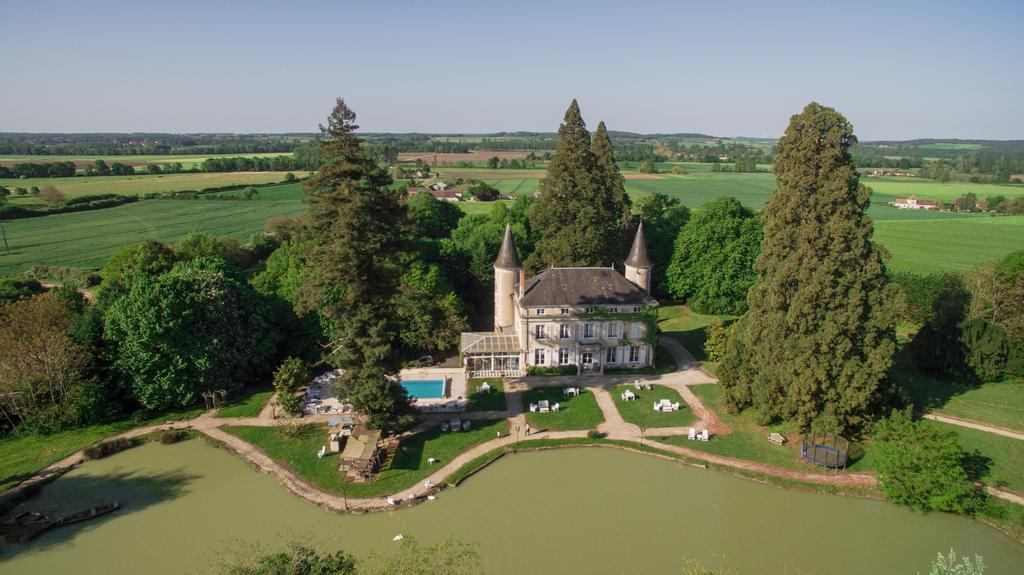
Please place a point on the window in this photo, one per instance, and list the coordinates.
(563, 331)
(634, 354)
(588, 310)
(636, 309)
(613, 329)
(588, 330)
(540, 331)
(614, 310)
(538, 357)
(565, 311)
(609, 356)
(540, 311)
(587, 358)
(563, 356)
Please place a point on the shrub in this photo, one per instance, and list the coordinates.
(986, 348)
(595, 434)
(717, 334)
(540, 370)
(109, 447)
(922, 466)
(171, 436)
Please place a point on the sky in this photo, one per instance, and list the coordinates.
(896, 70)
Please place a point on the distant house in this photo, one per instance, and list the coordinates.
(912, 203)
(439, 186)
(443, 195)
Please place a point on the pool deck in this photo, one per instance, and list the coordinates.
(454, 377)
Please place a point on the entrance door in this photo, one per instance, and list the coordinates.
(588, 359)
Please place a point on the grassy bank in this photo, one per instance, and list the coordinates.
(1000, 404)
(408, 467)
(641, 410)
(248, 404)
(23, 456)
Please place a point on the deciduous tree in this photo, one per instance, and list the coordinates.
(712, 266)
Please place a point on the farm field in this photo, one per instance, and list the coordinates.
(87, 239)
(141, 184)
(187, 160)
(955, 244)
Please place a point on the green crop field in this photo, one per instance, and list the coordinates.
(141, 184)
(187, 160)
(957, 244)
(87, 239)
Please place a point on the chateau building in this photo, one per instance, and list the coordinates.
(588, 318)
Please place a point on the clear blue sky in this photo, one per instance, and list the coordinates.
(897, 70)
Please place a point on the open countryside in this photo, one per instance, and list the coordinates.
(326, 308)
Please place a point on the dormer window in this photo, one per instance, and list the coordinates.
(588, 310)
(565, 311)
(540, 311)
(636, 309)
(614, 310)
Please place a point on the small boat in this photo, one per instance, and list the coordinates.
(29, 524)
(88, 513)
(398, 537)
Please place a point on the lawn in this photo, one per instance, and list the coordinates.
(749, 441)
(641, 410)
(141, 184)
(247, 404)
(480, 207)
(687, 327)
(580, 412)
(1000, 404)
(21, 456)
(1000, 460)
(490, 401)
(408, 467)
(87, 239)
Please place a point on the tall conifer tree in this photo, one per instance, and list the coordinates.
(354, 227)
(577, 212)
(612, 183)
(819, 338)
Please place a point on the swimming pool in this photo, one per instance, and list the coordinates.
(424, 388)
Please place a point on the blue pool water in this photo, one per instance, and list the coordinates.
(424, 388)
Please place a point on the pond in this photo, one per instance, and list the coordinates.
(185, 507)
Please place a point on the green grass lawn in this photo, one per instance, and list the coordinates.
(490, 401)
(1000, 459)
(687, 327)
(580, 412)
(750, 441)
(87, 239)
(480, 207)
(248, 404)
(140, 184)
(1000, 404)
(21, 456)
(408, 467)
(641, 410)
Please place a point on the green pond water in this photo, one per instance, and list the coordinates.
(187, 507)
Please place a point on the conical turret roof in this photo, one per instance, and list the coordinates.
(507, 257)
(638, 257)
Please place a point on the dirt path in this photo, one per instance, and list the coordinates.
(975, 425)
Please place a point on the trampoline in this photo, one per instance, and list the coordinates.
(825, 449)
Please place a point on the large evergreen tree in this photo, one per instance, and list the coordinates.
(581, 205)
(613, 185)
(819, 337)
(355, 227)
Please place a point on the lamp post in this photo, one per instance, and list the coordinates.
(642, 430)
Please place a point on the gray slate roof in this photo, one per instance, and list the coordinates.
(582, 286)
(638, 253)
(507, 257)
